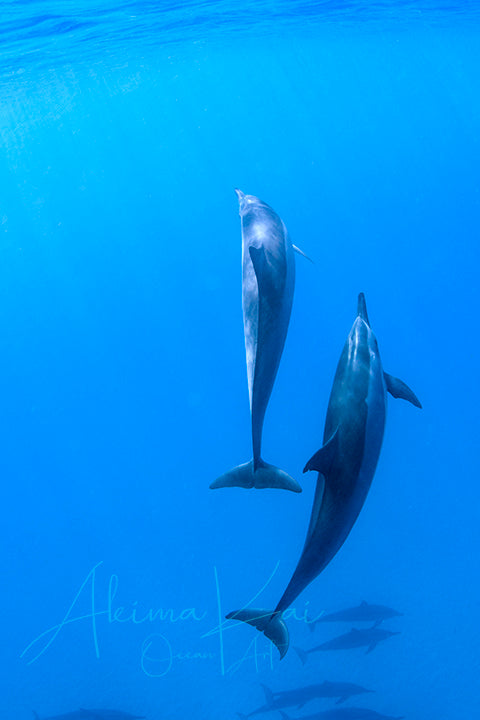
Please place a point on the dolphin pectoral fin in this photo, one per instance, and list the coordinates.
(265, 476)
(300, 252)
(371, 647)
(399, 389)
(269, 699)
(323, 458)
(268, 622)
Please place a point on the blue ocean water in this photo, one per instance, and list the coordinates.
(125, 128)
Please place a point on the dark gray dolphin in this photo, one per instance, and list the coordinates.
(353, 639)
(93, 714)
(299, 697)
(107, 714)
(351, 713)
(365, 612)
(345, 464)
(268, 284)
(74, 715)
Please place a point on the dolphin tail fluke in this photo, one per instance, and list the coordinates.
(302, 654)
(261, 477)
(268, 622)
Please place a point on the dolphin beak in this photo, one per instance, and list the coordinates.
(240, 194)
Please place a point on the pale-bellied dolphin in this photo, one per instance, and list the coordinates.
(267, 289)
(353, 639)
(345, 464)
(351, 713)
(365, 612)
(303, 695)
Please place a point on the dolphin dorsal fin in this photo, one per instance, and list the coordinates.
(323, 458)
(363, 603)
(268, 695)
(398, 389)
(300, 252)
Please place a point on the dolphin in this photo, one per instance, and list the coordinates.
(345, 464)
(267, 289)
(106, 714)
(298, 697)
(74, 715)
(365, 612)
(353, 639)
(95, 714)
(350, 713)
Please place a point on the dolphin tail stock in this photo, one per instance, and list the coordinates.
(35, 715)
(266, 621)
(260, 477)
(398, 389)
(302, 654)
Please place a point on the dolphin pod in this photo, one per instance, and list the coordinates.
(267, 293)
(345, 464)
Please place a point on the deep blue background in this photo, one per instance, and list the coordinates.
(123, 388)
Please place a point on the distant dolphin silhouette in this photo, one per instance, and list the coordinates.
(268, 284)
(351, 713)
(353, 639)
(298, 697)
(345, 464)
(94, 714)
(365, 612)
(106, 714)
(74, 715)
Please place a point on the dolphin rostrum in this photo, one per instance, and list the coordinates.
(345, 464)
(267, 289)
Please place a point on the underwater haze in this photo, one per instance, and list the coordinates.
(125, 128)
